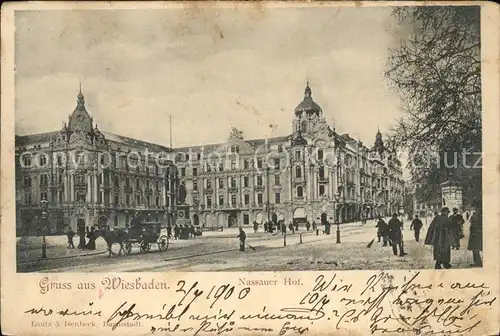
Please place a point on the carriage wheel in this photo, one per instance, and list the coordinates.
(145, 246)
(127, 246)
(163, 243)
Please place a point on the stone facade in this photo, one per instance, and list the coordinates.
(90, 178)
(314, 174)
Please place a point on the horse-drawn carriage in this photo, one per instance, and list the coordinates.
(144, 235)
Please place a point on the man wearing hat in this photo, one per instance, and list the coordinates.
(457, 228)
(396, 235)
(476, 235)
(439, 235)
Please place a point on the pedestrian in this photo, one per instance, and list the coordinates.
(266, 228)
(177, 231)
(70, 234)
(169, 231)
(296, 226)
(192, 231)
(416, 226)
(81, 235)
(440, 237)
(291, 227)
(91, 236)
(308, 226)
(396, 235)
(243, 238)
(381, 230)
(314, 226)
(476, 235)
(283, 228)
(457, 228)
(255, 226)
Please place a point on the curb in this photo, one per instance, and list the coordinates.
(63, 257)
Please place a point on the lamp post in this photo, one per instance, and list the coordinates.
(337, 198)
(44, 205)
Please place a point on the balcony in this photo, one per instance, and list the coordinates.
(259, 188)
(233, 190)
(323, 179)
(128, 189)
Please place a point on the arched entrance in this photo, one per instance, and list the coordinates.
(232, 220)
(299, 216)
(80, 225)
(102, 222)
(196, 219)
(220, 219)
(208, 220)
(274, 218)
(259, 217)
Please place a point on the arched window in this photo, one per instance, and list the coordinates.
(300, 191)
(304, 126)
(320, 154)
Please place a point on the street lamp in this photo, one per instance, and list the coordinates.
(337, 198)
(44, 205)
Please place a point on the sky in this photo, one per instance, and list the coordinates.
(210, 69)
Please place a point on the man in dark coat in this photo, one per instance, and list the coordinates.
(439, 235)
(70, 234)
(255, 226)
(291, 227)
(283, 228)
(177, 231)
(457, 228)
(476, 236)
(169, 231)
(81, 243)
(396, 236)
(243, 238)
(416, 226)
(381, 230)
(308, 226)
(314, 226)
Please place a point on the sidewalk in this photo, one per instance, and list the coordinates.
(29, 249)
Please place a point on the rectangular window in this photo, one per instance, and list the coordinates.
(259, 163)
(209, 201)
(320, 154)
(195, 171)
(209, 184)
(148, 200)
(247, 198)
(321, 190)
(259, 180)
(195, 185)
(277, 198)
(221, 166)
(259, 198)
(245, 164)
(221, 183)
(233, 182)
(127, 199)
(246, 219)
(276, 163)
(277, 180)
(183, 172)
(233, 200)
(117, 199)
(233, 164)
(297, 155)
(221, 200)
(298, 172)
(245, 181)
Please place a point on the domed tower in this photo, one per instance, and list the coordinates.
(306, 113)
(379, 143)
(80, 119)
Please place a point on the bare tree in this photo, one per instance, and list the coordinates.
(436, 70)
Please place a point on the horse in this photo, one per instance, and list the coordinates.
(112, 237)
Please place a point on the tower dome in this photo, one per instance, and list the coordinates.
(308, 105)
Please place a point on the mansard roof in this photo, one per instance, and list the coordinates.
(30, 139)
